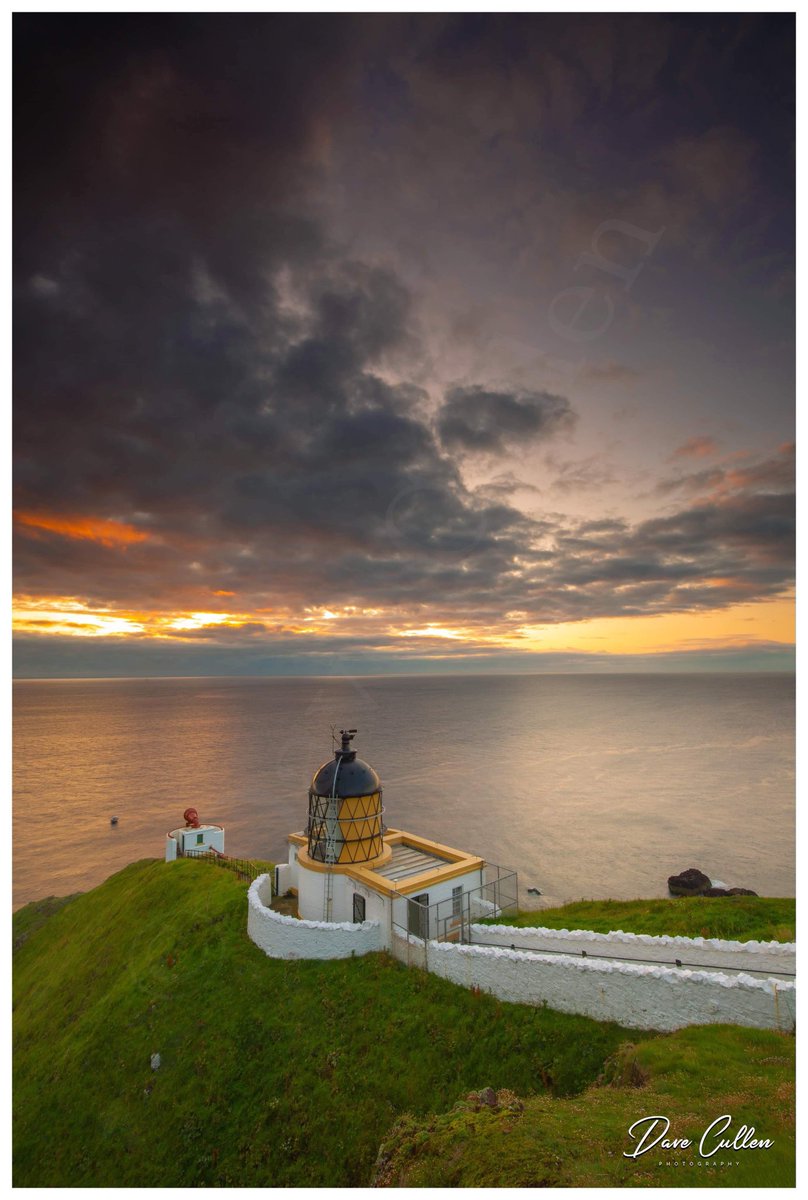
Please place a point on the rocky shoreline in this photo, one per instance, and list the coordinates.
(694, 882)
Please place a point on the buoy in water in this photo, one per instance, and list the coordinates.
(113, 820)
(533, 892)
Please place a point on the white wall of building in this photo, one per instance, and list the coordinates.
(311, 895)
(634, 995)
(377, 908)
(292, 865)
(281, 936)
(311, 887)
(181, 840)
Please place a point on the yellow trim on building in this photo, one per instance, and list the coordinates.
(341, 868)
(457, 863)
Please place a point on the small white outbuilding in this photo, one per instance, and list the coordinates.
(194, 838)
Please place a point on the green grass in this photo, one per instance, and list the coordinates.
(691, 1077)
(293, 1073)
(27, 920)
(284, 1073)
(741, 918)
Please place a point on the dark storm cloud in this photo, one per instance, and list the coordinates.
(196, 122)
(194, 357)
(198, 359)
(477, 420)
(268, 457)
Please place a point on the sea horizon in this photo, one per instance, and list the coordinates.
(598, 785)
(741, 670)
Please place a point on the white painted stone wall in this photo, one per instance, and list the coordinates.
(696, 952)
(281, 936)
(641, 997)
(634, 994)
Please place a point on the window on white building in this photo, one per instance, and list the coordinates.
(358, 908)
(457, 901)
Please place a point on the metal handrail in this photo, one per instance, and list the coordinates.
(658, 962)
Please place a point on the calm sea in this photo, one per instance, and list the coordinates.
(589, 786)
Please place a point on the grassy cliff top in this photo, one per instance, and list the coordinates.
(738, 918)
(293, 1073)
(691, 1077)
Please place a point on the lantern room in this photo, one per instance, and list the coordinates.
(345, 809)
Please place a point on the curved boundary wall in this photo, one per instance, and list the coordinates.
(280, 936)
(636, 995)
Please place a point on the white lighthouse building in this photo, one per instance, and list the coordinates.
(347, 866)
(362, 888)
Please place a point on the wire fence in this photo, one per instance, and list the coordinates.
(451, 918)
(242, 867)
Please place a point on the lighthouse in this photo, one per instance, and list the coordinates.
(348, 866)
(345, 809)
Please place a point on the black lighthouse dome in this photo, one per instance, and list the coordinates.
(345, 822)
(354, 777)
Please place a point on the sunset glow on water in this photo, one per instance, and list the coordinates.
(588, 786)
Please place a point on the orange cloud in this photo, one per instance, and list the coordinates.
(696, 447)
(93, 529)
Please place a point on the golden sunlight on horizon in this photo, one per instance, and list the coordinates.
(738, 625)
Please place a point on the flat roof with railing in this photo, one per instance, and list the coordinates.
(410, 863)
(408, 860)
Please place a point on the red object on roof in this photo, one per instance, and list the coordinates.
(191, 818)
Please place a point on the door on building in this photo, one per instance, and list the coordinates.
(358, 908)
(418, 915)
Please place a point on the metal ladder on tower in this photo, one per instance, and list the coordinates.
(329, 895)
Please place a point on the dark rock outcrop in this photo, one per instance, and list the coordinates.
(691, 882)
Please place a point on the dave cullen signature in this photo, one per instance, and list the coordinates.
(649, 1132)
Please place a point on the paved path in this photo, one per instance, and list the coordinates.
(760, 964)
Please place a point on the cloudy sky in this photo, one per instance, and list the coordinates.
(369, 343)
